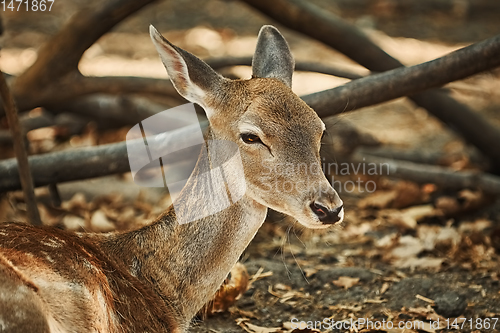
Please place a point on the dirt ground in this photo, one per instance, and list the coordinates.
(406, 253)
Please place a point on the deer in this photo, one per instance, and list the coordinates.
(156, 278)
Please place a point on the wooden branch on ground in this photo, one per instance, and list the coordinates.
(441, 176)
(75, 85)
(77, 164)
(28, 123)
(358, 93)
(301, 66)
(113, 110)
(426, 156)
(85, 163)
(405, 81)
(62, 53)
(60, 56)
(319, 24)
(107, 111)
(24, 174)
(325, 27)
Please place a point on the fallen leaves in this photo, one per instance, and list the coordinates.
(230, 291)
(403, 194)
(251, 328)
(345, 282)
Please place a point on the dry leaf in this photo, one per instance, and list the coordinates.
(246, 314)
(466, 201)
(230, 291)
(384, 287)
(408, 193)
(76, 204)
(73, 223)
(345, 282)
(251, 328)
(100, 223)
(281, 286)
(409, 246)
(310, 271)
(49, 216)
(423, 262)
(378, 199)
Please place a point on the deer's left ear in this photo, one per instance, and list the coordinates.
(192, 77)
(272, 56)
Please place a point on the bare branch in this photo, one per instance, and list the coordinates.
(110, 159)
(83, 163)
(405, 81)
(62, 53)
(301, 66)
(20, 150)
(322, 25)
(73, 86)
(441, 176)
(119, 110)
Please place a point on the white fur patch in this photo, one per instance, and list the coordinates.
(250, 128)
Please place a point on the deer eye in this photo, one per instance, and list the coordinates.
(250, 138)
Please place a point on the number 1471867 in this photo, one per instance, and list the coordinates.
(28, 5)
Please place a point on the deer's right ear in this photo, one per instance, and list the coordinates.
(191, 76)
(272, 56)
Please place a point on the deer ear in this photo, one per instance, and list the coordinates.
(272, 56)
(192, 77)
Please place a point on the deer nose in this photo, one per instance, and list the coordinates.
(326, 215)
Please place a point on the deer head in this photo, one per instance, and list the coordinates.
(278, 135)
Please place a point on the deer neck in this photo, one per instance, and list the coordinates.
(187, 263)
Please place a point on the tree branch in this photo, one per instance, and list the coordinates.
(324, 26)
(405, 81)
(301, 66)
(62, 53)
(110, 159)
(24, 174)
(75, 85)
(119, 110)
(441, 176)
(60, 56)
(84, 163)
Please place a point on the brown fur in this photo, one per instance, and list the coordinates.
(37, 251)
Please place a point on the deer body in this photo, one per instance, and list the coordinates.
(156, 278)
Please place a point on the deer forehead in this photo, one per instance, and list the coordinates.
(276, 107)
(262, 106)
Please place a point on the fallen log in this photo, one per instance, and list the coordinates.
(90, 162)
(424, 173)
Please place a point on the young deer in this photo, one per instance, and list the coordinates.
(155, 279)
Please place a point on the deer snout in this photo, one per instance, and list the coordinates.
(327, 210)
